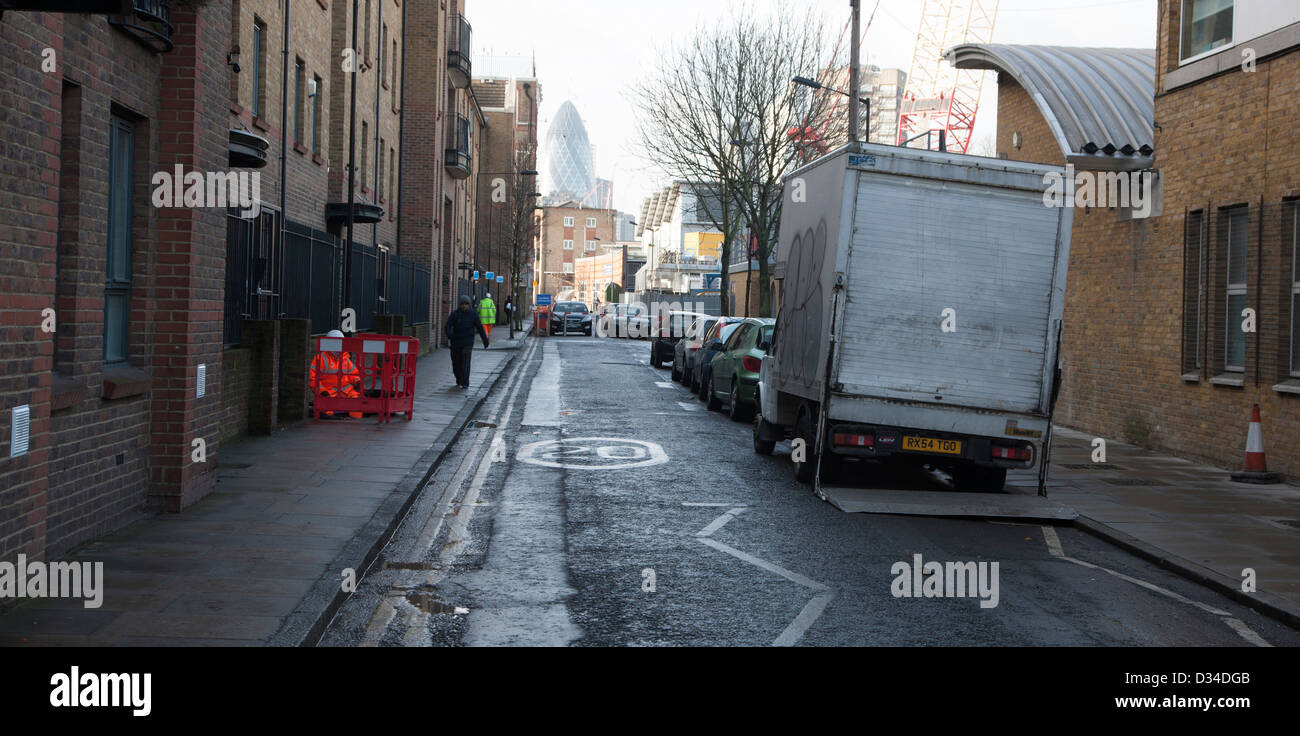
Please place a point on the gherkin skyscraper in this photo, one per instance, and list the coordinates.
(570, 172)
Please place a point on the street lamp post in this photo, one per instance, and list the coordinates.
(853, 131)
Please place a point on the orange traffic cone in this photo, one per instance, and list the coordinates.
(1256, 468)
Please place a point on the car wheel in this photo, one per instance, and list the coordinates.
(715, 404)
(677, 373)
(762, 446)
(702, 393)
(654, 357)
(739, 411)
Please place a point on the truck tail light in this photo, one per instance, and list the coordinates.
(751, 363)
(854, 440)
(1012, 453)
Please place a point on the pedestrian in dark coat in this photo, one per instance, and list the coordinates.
(462, 325)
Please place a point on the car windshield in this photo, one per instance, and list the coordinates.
(573, 307)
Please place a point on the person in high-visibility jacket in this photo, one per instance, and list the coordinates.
(335, 374)
(487, 313)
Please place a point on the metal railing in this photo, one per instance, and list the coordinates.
(150, 23)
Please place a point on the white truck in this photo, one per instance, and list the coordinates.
(920, 314)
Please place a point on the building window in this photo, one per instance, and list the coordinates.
(590, 245)
(259, 66)
(383, 46)
(366, 35)
(1234, 358)
(392, 167)
(299, 98)
(1193, 291)
(1295, 290)
(591, 222)
(1206, 25)
(365, 146)
(568, 245)
(315, 115)
(568, 222)
(568, 268)
(379, 180)
(392, 62)
(117, 284)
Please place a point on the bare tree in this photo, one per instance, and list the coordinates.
(720, 113)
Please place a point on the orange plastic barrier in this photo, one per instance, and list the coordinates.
(377, 370)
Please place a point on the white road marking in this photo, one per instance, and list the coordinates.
(1054, 547)
(795, 631)
(717, 523)
(704, 503)
(614, 453)
(543, 406)
(665, 384)
(793, 577)
(688, 406)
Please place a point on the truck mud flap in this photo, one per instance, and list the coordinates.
(1018, 506)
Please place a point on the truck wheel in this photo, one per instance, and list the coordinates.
(762, 446)
(803, 430)
(738, 411)
(714, 403)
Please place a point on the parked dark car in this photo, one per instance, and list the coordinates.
(671, 330)
(712, 343)
(685, 349)
(573, 317)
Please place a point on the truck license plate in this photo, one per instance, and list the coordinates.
(930, 444)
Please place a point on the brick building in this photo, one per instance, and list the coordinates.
(504, 193)
(175, 325)
(565, 233)
(1157, 349)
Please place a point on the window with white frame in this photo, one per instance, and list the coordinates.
(568, 222)
(1234, 358)
(590, 245)
(568, 245)
(591, 222)
(1206, 25)
(568, 268)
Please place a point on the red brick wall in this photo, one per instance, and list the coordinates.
(95, 462)
(1227, 140)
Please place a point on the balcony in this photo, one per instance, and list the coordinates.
(456, 158)
(459, 67)
(148, 21)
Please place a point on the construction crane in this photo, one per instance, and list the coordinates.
(939, 97)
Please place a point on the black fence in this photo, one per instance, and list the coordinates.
(302, 278)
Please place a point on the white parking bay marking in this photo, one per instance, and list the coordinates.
(812, 610)
(1054, 548)
(688, 406)
(543, 406)
(665, 384)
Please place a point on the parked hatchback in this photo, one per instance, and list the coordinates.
(733, 375)
(672, 328)
(712, 343)
(686, 348)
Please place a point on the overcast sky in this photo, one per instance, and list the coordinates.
(589, 50)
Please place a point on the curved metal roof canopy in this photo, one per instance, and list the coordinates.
(1099, 102)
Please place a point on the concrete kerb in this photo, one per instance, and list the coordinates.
(1266, 604)
(307, 623)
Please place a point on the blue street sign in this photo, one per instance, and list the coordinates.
(490, 275)
(501, 279)
(476, 275)
(543, 300)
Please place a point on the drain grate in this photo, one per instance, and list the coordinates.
(1090, 466)
(1135, 482)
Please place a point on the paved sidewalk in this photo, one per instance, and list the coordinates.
(1187, 516)
(260, 560)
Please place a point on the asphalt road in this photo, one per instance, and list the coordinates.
(690, 538)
